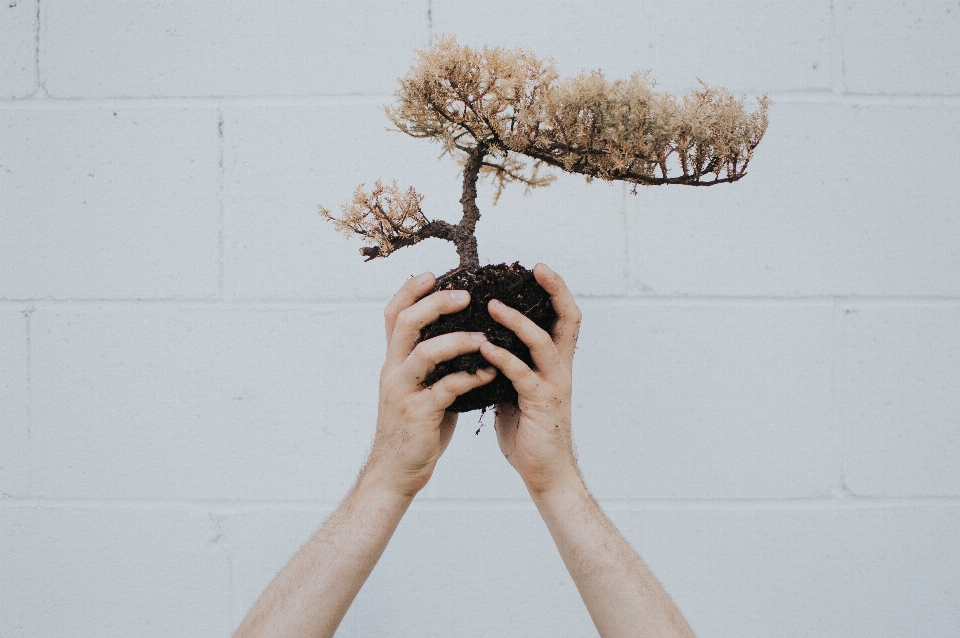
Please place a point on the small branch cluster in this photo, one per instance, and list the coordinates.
(506, 114)
(464, 97)
(388, 215)
(623, 130)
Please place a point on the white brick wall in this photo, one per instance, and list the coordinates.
(109, 203)
(767, 385)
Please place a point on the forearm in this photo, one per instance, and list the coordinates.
(621, 594)
(312, 593)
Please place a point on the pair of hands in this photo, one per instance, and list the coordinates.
(413, 426)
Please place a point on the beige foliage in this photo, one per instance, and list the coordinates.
(388, 215)
(513, 102)
(463, 97)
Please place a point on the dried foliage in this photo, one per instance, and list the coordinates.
(464, 97)
(506, 114)
(623, 130)
(388, 215)
(512, 102)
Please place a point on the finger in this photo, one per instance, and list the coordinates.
(410, 292)
(567, 327)
(524, 379)
(446, 390)
(410, 320)
(542, 348)
(427, 354)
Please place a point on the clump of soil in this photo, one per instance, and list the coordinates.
(515, 286)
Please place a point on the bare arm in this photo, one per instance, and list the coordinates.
(624, 598)
(621, 594)
(312, 593)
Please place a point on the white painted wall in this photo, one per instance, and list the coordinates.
(767, 391)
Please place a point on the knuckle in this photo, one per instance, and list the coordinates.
(390, 393)
(493, 354)
(407, 317)
(423, 351)
(390, 312)
(450, 385)
(541, 339)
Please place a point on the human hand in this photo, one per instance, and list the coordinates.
(535, 436)
(413, 427)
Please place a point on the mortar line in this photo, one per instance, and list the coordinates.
(36, 54)
(800, 96)
(641, 300)
(220, 212)
(839, 37)
(232, 579)
(31, 431)
(429, 22)
(240, 506)
(201, 101)
(839, 426)
(625, 226)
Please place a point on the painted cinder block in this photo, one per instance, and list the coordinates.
(705, 400)
(18, 48)
(746, 46)
(167, 402)
(14, 402)
(576, 227)
(352, 353)
(282, 161)
(113, 571)
(792, 570)
(109, 203)
(474, 572)
(473, 467)
(900, 47)
(830, 206)
(175, 49)
(897, 382)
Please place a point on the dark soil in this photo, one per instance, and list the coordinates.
(515, 286)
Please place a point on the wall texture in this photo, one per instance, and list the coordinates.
(767, 391)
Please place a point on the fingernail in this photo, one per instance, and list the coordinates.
(496, 303)
(479, 337)
(424, 278)
(459, 295)
(490, 370)
(548, 269)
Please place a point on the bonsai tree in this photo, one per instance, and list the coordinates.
(506, 116)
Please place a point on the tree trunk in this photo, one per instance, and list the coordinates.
(464, 238)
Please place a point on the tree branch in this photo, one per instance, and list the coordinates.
(437, 228)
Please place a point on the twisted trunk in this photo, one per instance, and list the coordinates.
(460, 234)
(463, 236)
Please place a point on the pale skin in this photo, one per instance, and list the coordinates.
(313, 591)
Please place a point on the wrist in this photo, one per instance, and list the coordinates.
(391, 483)
(566, 480)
